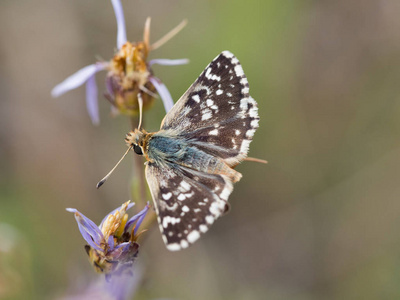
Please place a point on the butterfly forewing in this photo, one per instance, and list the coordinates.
(187, 201)
(216, 112)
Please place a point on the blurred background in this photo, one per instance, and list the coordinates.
(319, 221)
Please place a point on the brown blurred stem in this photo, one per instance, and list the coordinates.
(139, 171)
(138, 166)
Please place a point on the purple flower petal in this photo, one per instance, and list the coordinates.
(90, 232)
(142, 215)
(92, 103)
(88, 238)
(123, 245)
(77, 79)
(119, 15)
(124, 285)
(130, 205)
(168, 62)
(163, 92)
(138, 217)
(111, 242)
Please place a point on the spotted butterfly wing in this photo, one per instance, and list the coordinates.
(217, 111)
(207, 132)
(187, 202)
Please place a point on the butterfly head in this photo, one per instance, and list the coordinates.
(137, 140)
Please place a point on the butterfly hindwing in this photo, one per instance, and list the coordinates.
(187, 201)
(216, 112)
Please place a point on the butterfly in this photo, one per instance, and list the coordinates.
(190, 161)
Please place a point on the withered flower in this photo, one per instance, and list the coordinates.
(112, 246)
(130, 82)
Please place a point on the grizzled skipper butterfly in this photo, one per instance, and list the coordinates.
(190, 161)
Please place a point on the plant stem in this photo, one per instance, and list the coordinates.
(138, 168)
(138, 162)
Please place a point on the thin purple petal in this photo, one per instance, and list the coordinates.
(77, 79)
(89, 223)
(130, 205)
(86, 225)
(90, 232)
(141, 217)
(123, 245)
(121, 28)
(163, 92)
(92, 103)
(88, 238)
(138, 217)
(168, 62)
(111, 242)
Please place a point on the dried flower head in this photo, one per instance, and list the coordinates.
(112, 246)
(130, 82)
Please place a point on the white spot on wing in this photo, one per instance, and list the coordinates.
(243, 104)
(253, 112)
(185, 185)
(227, 54)
(239, 71)
(164, 238)
(170, 220)
(196, 98)
(208, 72)
(254, 123)
(244, 81)
(188, 195)
(206, 116)
(250, 133)
(209, 219)
(245, 146)
(226, 192)
(184, 244)
(173, 247)
(214, 209)
(203, 228)
(213, 132)
(167, 196)
(193, 236)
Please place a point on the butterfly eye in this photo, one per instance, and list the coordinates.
(137, 149)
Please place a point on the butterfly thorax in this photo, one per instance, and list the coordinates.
(166, 147)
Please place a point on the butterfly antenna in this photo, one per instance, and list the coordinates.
(101, 182)
(258, 160)
(168, 36)
(140, 102)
